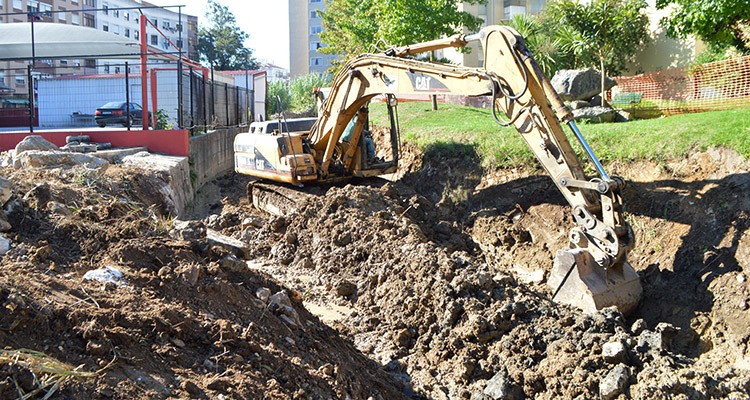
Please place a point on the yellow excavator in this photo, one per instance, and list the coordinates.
(592, 274)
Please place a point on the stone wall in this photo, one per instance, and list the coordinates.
(212, 155)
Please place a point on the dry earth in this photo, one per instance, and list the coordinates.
(431, 286)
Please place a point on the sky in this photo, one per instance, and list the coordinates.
(266, 21)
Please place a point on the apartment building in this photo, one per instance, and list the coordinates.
(115, 17)
(95, 14)
(305, 26)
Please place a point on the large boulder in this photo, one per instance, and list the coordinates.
(574, 84)
(595, 114)
(50, 159)
(33, 142)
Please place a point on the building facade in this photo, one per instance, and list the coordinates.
(305, 26)
(96, 14)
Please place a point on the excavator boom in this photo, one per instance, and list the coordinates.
(593, 273)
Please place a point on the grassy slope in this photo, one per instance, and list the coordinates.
(456, 128)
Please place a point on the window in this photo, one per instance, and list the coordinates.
(2, 78)
(314, 30)
(105, 9)
(313, 14)
(75, 19)
(63, 16)
(156, 22)
(90, 3)
(127, 32)
(126, 16)
(314, 46)
(105, 27)
(63, 62)
(20, 79)
(106, 68)
(179, 43)
(116, 29)
(88, 20)
(116, 13)
(315, 61)
(17, 4)
(154, 40)
(136, 35)
(117, 70)
(315, 1)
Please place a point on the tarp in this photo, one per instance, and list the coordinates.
(63, 41)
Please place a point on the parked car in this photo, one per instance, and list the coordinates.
(116, 112)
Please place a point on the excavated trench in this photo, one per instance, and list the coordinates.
(428, 285)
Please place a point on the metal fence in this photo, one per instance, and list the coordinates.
(63, 96)
(715, 86)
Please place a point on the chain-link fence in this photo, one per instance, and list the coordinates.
(62, 96)
(715, 86)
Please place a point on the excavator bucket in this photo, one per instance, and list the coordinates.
(579, 281)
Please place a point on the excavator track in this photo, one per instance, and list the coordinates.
(275, 199)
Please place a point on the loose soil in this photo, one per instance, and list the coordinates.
(428, 286)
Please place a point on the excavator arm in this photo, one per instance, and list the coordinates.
(594, 272)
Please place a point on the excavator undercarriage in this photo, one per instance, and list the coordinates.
(592, 274)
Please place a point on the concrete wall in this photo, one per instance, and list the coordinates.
(212, 155)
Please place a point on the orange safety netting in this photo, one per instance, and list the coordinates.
(719, 85)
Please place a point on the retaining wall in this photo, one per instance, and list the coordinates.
(212, 155)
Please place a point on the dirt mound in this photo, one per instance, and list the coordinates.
(185, 320)
(442, 278)
(428, 287)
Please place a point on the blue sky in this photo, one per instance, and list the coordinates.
(266, 21)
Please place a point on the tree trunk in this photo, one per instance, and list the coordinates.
(434, 96)
(601, 64)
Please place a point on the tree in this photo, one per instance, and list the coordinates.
(722, 23)
(607, 32)
(413, 21)
(356, 26)
(221, 43)
(547, 41)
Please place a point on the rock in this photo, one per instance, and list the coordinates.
(80, 148)
(501, 387)
(177, 342)
(345, 288)
(5, 191)
(614, 383)
(255, 222)
(106, 274)
(263, 294)
(240, 249)
(232, 264)
(188, 230)
(638, 326)
(33, 142)
(576, 104)
(614, 352)
(50, 159)
(573, 84)
(4, 245)
(282, 305)
(596, 101)
(58, 208)
(5, 226)
(190, 387)
(622, 116)
(39, 196)
(595, 114)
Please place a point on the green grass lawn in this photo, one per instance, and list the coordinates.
(457, 128)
